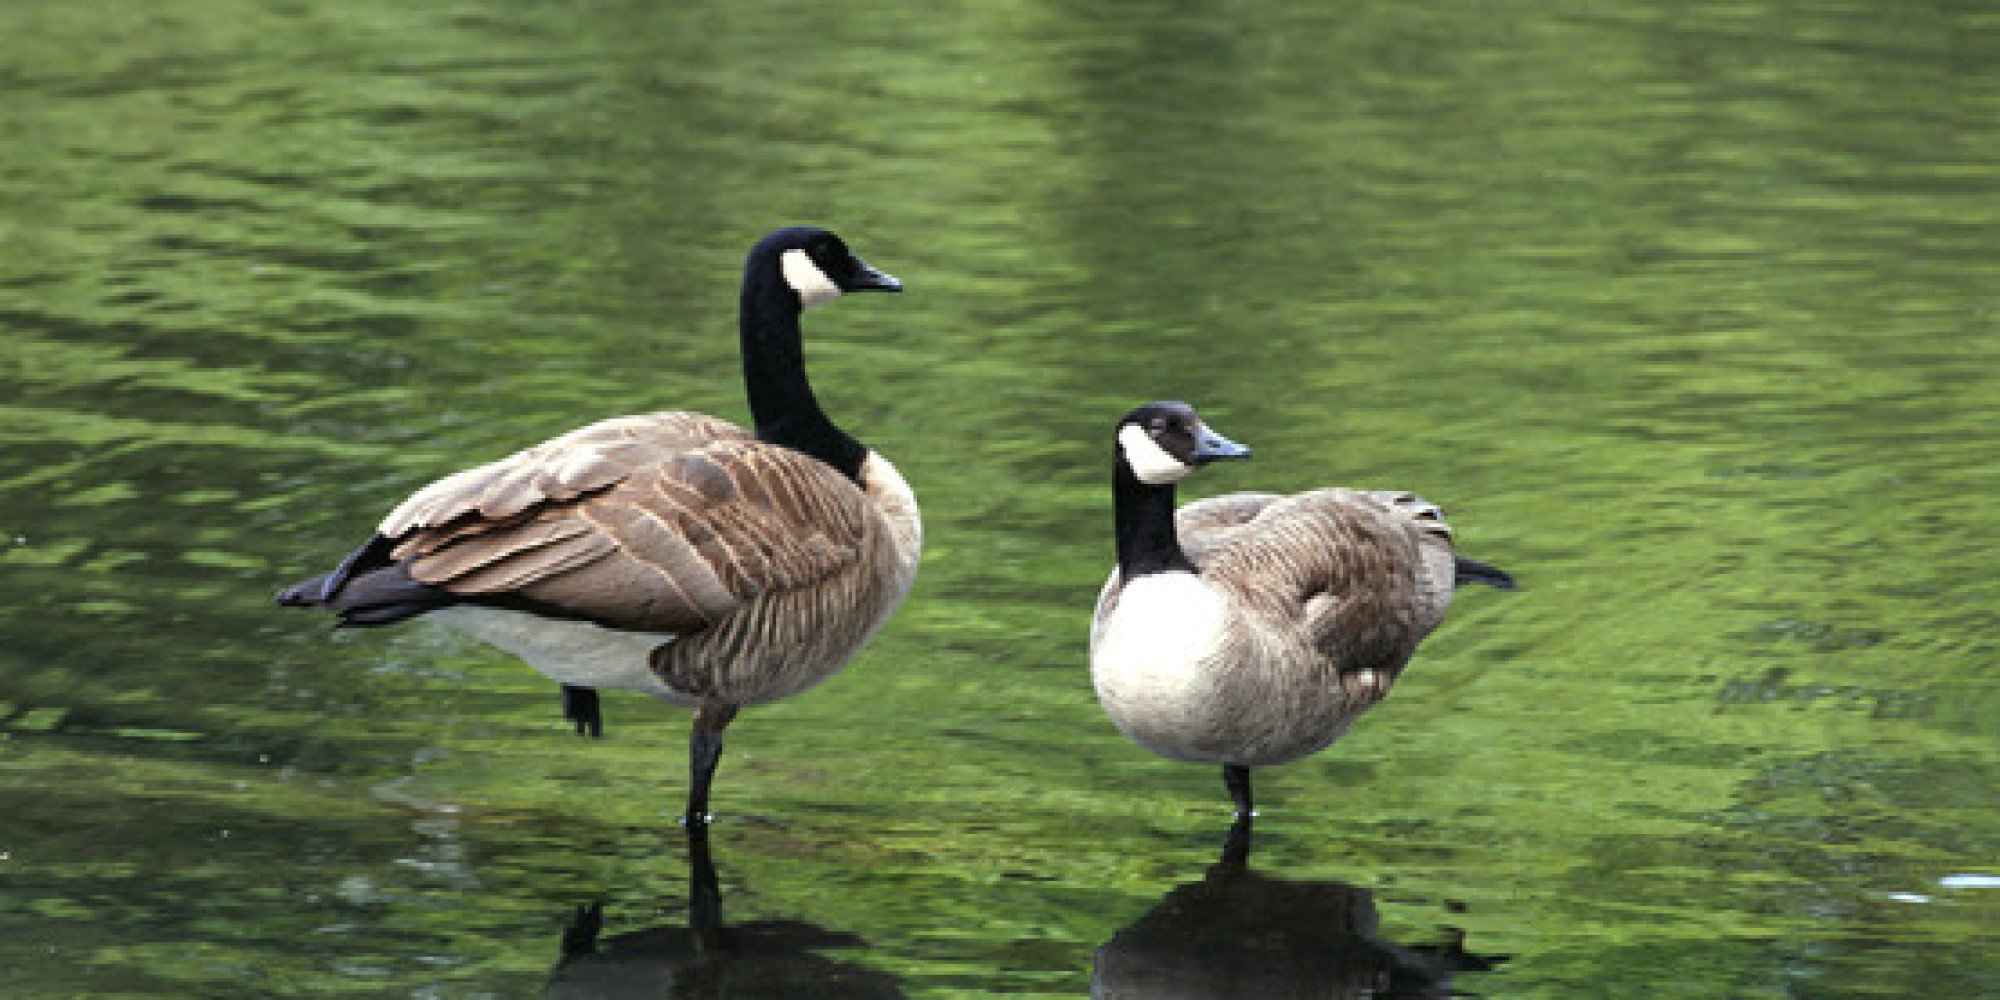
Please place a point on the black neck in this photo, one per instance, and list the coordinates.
(774, 371)
(1145, 518)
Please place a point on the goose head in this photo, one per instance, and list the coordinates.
(817, 265)
(1161, 442)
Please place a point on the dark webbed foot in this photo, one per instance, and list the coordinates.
(579, 705)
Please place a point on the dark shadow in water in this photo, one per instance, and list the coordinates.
(706, 958)
(1237, 933)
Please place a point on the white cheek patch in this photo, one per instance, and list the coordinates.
(805, 277)
(1148, 460)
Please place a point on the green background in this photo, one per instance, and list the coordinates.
(1686, 312)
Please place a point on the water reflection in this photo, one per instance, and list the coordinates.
(1240, 933)
(706, 958)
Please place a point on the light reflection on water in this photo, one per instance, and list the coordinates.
(1686, 314)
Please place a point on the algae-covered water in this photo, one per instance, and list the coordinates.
(1687, 312)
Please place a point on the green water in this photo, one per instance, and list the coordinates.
(1687, 312)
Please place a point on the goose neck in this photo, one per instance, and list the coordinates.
(1147, 541)
(782, 402)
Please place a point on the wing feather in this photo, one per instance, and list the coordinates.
(582, 461)
(1350, 562)
(521, 567)
(1206, 525)
(469, 570)
(642, 523)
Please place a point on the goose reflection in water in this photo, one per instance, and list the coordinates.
(762, 958)
(1237, 934)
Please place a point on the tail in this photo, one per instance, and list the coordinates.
(367, 590)
(1474, 571)
(312, 592)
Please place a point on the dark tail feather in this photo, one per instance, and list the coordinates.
(386, 596)
(1474, 571)
(319, 591)
(307, 593)
(367, 590)
(385, 614)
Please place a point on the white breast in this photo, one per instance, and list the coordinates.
(892, 496)
(1157, 648)
(569, 652)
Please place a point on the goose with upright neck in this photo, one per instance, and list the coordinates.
(670, 553)
(1253, 628)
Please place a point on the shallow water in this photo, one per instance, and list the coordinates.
(1686, 312)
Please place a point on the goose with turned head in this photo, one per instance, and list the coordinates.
(674, 553)
(1253, 628)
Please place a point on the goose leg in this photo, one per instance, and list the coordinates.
(1237, 778)
(1236, 849)
(704, 892)
(704, 752)
(579, 705)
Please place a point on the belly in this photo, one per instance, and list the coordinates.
(1174, 678)
(1156, 664)
(569, 652)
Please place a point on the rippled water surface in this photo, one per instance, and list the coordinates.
(1686, 311)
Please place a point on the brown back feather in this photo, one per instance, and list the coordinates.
(561, 468)
(1358, 567)
(667, 522)
(1207, 525)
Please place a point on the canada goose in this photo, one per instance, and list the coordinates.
(670, 553)
(1253, 628)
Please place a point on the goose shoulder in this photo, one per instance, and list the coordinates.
(1202, 526)
(634, 528)
(1205, 526)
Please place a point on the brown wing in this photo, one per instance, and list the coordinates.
(1361, 568)
(561, 468)
(637, 525)
(1205, 525)
(1436, 577)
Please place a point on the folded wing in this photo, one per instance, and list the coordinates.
(1370, 571)
(660, 523)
